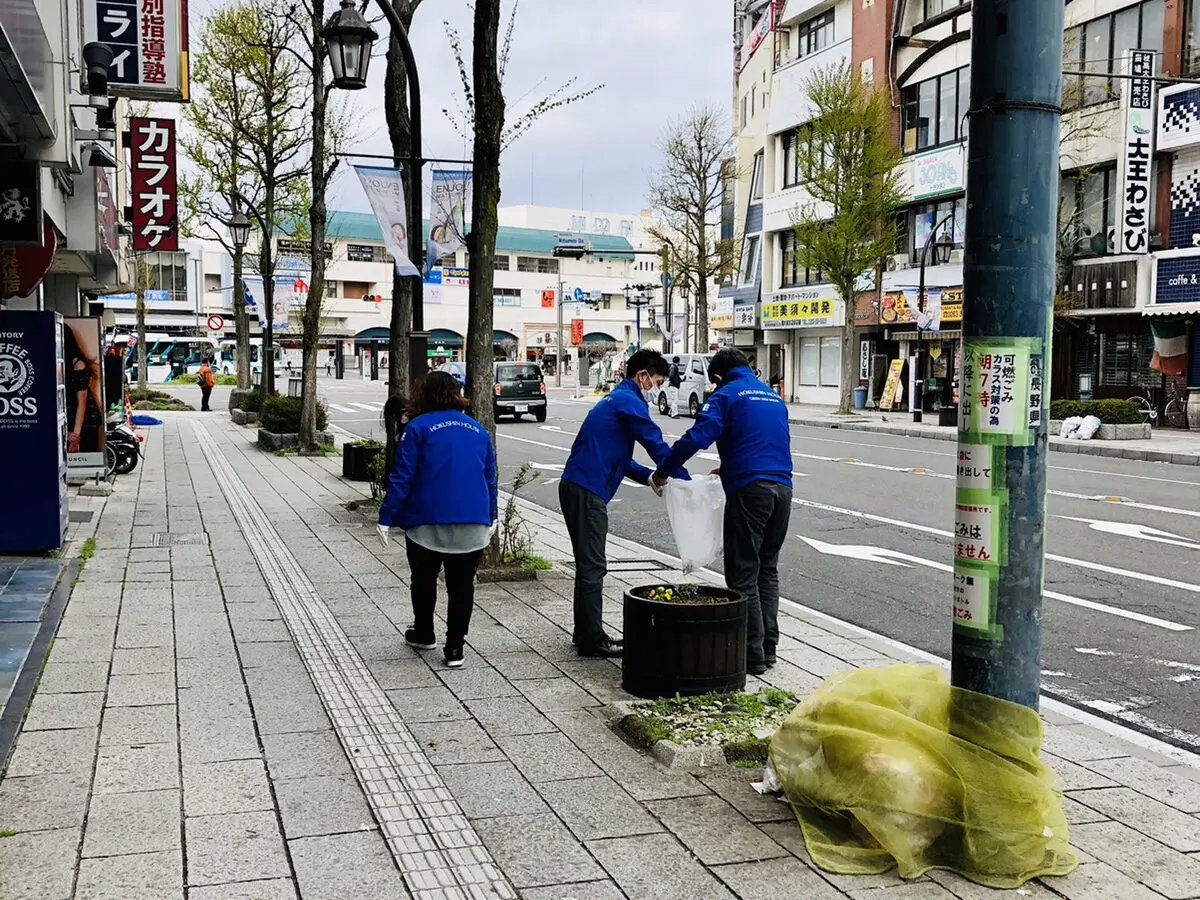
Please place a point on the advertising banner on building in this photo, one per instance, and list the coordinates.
(23, 268)
(149, 41)
(720, 316)
(1136, 155)
(745, 315)
(899, 307)
(82, 355)
(448, 216)
(385, 192)
(21, 202)
(793, 312)
(153, 184)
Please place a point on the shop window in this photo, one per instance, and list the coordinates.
(1087, 209)
(1097, 49)
(1125, 360)
(815, 35)
(831, 361)
(935, 110)
(949, 215)
(792, 273)
(810, 361)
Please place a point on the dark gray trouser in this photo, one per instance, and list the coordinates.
(756, 523)
(586, 516)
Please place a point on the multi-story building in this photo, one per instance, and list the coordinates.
(529, 280)
(1111, 285)
(58, 177)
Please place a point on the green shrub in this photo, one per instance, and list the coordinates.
(281, 415)
(1110, 412)
(252, 401)
(227, 380)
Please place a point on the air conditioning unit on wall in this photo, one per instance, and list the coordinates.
(956, 257)
(899, 261)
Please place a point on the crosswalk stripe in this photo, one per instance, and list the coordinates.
(370, 407)
(345, 409)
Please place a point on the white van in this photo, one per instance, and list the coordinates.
(694, 369)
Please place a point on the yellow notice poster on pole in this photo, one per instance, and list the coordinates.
(888, 400)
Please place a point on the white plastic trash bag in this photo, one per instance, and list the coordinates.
(1088, 429)
(696, 510)
(1070, 427)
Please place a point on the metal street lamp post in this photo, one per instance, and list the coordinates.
(349, 38)
(239, 233)
(942, 244)
(644, 298)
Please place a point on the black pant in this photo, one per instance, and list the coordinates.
(205, 393)
(756, 523)
(425, 564)
(586, 516)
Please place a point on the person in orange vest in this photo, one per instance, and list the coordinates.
(206, 380)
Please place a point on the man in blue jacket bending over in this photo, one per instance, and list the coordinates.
(601, 457)
(749, 424)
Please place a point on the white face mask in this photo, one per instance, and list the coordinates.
(651, 395)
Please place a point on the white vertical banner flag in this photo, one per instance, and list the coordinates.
(448, 217)
(385, 192)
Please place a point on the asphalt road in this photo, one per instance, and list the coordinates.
(870, 543)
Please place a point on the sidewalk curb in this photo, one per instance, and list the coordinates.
(1060, 445)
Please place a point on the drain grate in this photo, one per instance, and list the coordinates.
(637, 565)
(173, 539)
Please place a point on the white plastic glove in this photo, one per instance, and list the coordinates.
(385, 534)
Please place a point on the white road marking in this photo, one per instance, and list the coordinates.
(896, 558)
(340, 408)
(1092, 651)
(1065, 560)
(369, 407)
(1134, 530)
(1125, 501)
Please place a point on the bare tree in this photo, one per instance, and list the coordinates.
(276, 150)
(686, 194)
(848, 165)
(463, 118)
(489, 111)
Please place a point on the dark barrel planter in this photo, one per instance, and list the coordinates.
(683, 648)
(358, 462)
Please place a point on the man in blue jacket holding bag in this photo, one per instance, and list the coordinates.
(601, 457)
(749, 424)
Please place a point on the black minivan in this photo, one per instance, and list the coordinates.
(520, 389)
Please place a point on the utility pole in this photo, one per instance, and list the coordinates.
(1008, 290)
(558, 341)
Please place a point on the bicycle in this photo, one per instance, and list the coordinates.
(1145, 405)
(1175, 411)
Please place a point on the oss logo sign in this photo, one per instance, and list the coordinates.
(16, 380)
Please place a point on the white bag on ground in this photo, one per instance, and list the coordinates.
(696, 510)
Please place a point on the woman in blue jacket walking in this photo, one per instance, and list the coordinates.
(442, 492)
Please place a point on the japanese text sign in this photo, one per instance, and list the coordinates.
(149, 43)
(974, 469)
(153, 185)
(1002, 390)
(801, 313)
(1137, 155)
(548, 299)
(975, 537)
(972, 598)
(577, 331)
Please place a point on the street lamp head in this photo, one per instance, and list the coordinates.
(349, 38)
(239, 230)
(943, 248)
(628, 293)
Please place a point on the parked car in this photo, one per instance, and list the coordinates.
(694, 369)
(520, 388)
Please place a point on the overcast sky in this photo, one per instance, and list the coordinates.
(655, 59)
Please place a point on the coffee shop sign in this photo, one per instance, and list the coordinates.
(939, 172)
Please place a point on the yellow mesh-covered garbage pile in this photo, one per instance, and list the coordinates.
(877, 780)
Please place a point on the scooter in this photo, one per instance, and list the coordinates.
(125, 443)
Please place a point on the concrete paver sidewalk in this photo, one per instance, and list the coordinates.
(229, 711)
